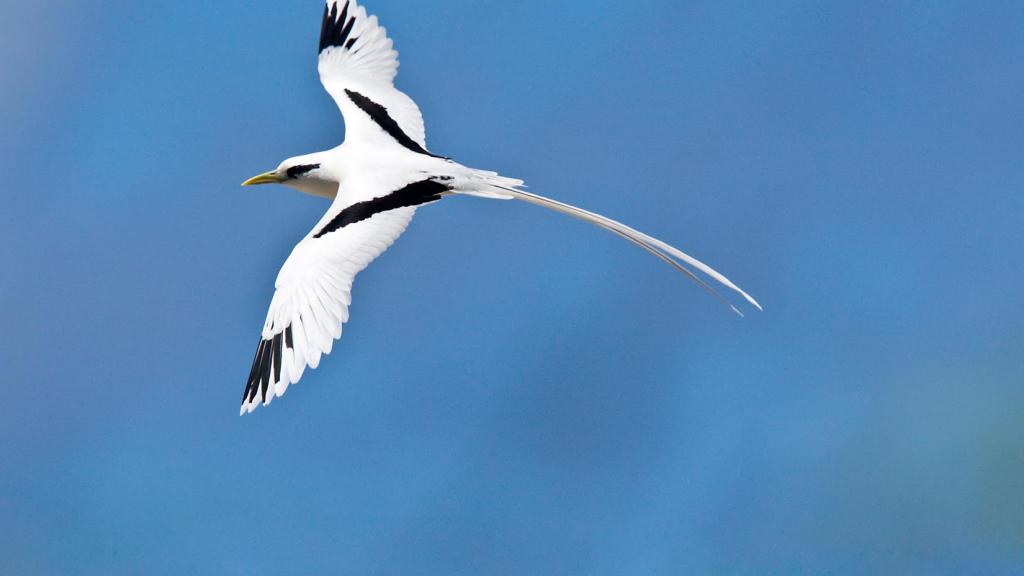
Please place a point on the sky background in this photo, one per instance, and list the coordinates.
(518, 392)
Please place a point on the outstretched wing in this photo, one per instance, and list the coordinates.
(314, 287)
(358, 64)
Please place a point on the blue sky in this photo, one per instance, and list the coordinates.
(517, 392)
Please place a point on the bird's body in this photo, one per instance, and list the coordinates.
(376, 179)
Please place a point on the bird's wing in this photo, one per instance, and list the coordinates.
(314, 287)
(358, 64)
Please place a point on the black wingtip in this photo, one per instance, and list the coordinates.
(266, 367)
(253, 375)
(335, 29)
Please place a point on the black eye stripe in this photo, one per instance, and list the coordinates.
(296, 171)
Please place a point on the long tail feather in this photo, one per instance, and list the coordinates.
(663, 251)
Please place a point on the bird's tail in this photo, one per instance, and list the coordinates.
(485, 184)
(497, 187)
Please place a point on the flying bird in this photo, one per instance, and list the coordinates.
(377, 179)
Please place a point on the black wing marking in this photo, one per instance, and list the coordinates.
(382, 118)
(335, 29)
(414, 194)
(266, 366)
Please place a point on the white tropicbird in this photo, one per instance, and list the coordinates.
(376, 178)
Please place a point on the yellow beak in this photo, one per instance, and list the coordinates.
(267, 178)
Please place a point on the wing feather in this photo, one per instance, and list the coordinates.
(358, 60)
(313, 290)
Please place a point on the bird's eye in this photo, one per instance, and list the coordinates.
(296, 171)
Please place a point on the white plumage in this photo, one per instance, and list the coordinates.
(377, 178)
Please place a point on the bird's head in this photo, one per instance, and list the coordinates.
(307, 174)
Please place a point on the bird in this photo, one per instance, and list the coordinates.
(376, 179)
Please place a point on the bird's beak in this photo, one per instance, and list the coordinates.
(267, 178)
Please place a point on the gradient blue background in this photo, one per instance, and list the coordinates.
(517, 392)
